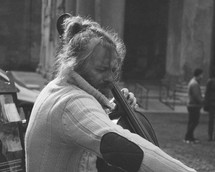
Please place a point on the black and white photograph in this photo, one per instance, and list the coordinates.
(107, 86)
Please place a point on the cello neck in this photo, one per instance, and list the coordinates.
(120, 99)
(129, 113)
(141, 127)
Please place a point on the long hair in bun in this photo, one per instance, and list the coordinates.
(79, 36)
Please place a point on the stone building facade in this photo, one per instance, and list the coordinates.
(165, 39)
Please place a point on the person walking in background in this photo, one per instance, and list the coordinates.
(209, 105)
(194, 105)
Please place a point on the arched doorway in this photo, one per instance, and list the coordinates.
(145, 36)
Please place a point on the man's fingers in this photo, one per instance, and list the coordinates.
(125, 92)
(129, 97)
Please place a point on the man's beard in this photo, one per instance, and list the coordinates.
(104, 88)
(106, 92)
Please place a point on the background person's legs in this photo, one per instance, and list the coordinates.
(193, 120)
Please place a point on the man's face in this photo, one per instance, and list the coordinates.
(100, 68)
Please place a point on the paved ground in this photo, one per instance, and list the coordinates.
(170, 130)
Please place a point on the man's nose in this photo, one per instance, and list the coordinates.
(109, 77)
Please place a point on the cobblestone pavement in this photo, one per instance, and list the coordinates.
(202, 161)
(170, 130)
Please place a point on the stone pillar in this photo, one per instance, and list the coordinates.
(98, 10)
(112, 15)
(51, 9)
(85, 8)
(70, 6)
(45, 29)
(189, 37)
(173, 57)
(197, 34)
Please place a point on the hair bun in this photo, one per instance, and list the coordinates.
(60, 21)
(77, 27)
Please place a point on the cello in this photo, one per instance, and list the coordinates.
(132, 119)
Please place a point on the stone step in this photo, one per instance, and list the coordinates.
(181, 94)
(183, 88)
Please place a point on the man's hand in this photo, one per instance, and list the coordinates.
(130, 98)
(132, 101)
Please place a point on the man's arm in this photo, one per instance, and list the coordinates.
(86, 124)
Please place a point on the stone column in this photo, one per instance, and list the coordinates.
(51, 9)
(196, 38)
(173, 57)
(85, 8)
(112, 15)
(45, 33)
(189, 37)
(70, 6)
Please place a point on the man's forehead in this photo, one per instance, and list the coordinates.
(105, 56)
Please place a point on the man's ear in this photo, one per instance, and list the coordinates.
(60, 21)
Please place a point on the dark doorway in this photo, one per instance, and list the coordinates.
(212, 60)
(145, 36)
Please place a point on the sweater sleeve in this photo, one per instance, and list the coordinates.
(85, 123)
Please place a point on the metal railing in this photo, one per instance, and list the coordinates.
(167, 94)
(140, 92)
(12, 166)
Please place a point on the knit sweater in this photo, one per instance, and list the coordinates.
(65, 129)
(194, 93)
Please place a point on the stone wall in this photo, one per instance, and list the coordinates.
(51, 10)
(20, 34)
